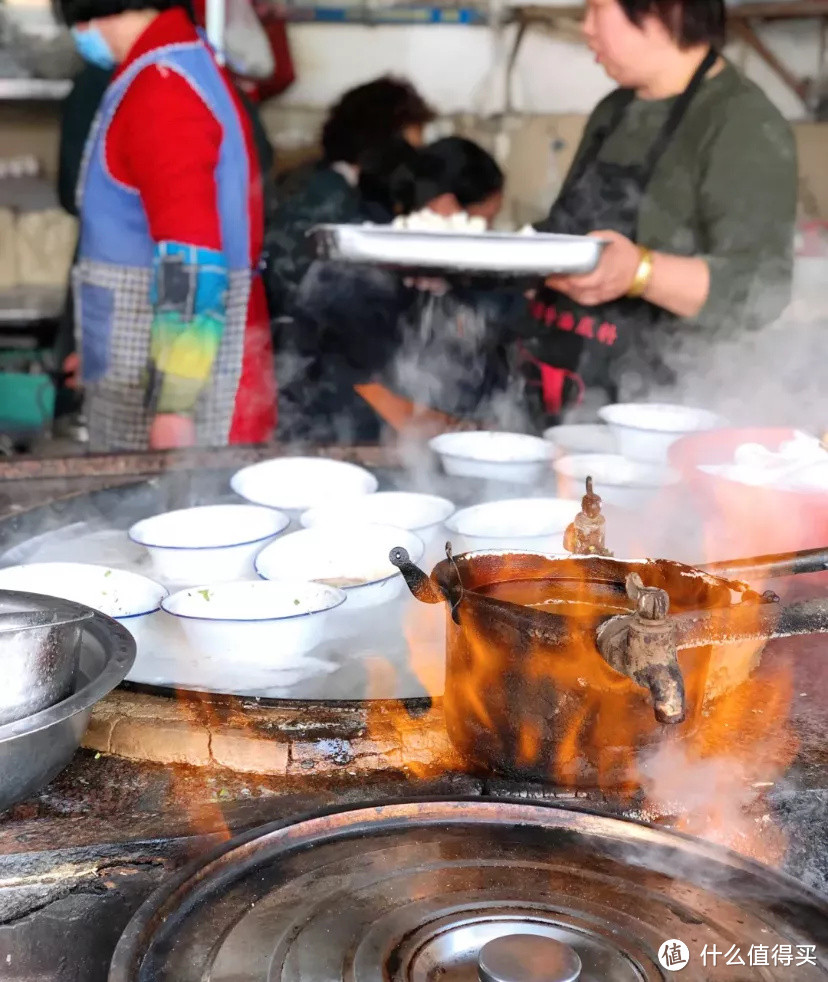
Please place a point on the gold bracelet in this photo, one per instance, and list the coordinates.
(643, 274)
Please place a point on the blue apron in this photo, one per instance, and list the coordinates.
(114, 272)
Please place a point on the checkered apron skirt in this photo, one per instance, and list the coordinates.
(116, 416)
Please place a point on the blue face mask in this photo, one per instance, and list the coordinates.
(92, 47)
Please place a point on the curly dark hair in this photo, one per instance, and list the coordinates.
(690, 22)
(370, 115)
(71, 12)
(388, 176)
(455, 165)
(398, 179)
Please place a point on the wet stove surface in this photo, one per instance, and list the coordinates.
(63, 910)
(77, 860)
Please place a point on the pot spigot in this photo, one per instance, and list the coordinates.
(644, 648)
(586, 535)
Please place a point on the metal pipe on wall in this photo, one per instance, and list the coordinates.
(216, 13)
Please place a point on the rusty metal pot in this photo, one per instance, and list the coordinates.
(615, 661)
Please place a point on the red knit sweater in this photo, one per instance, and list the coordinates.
(165, 143)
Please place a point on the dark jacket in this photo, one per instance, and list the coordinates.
(322, 197)
(452, 355)
(343, 332)
(351, 325)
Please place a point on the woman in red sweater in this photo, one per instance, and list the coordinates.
(173, 326)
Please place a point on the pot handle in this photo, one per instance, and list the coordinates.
(418, 582)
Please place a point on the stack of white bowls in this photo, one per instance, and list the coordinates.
(632, 465)
(244, 615)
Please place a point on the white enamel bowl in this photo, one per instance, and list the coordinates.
(618, 481)
(515, 458)
(646, 431)
(296, 484)
(579, 438)
(530, 524)
(424, 514)
(269, 627)
(133, 600)
(207, 544)
(353, 558)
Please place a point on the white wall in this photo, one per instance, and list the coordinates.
(455, 66)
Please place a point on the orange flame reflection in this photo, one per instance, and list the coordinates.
(413, 728)
(208, 816)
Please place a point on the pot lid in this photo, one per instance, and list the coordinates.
(467, 890)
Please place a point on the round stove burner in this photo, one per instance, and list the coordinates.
(469, 890)
(527, 958)
(453, 948)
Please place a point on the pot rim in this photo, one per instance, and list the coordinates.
(68, 612)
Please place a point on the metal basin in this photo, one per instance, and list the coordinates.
(39, 648)
(34, 750)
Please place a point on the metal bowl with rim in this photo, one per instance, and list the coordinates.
(35, 749)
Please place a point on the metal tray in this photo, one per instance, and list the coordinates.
(502, 254)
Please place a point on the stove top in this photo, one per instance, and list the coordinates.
(421, 890)
(77, 861)
(62, 910)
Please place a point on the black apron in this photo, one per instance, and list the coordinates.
(568, 347)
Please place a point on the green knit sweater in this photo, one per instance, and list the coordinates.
(725, 189)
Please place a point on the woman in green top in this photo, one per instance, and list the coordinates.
(689, 173)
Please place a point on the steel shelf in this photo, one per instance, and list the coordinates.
(371, 14)
(28, 304)
(34, 89)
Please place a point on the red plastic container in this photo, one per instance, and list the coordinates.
(747, 520)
